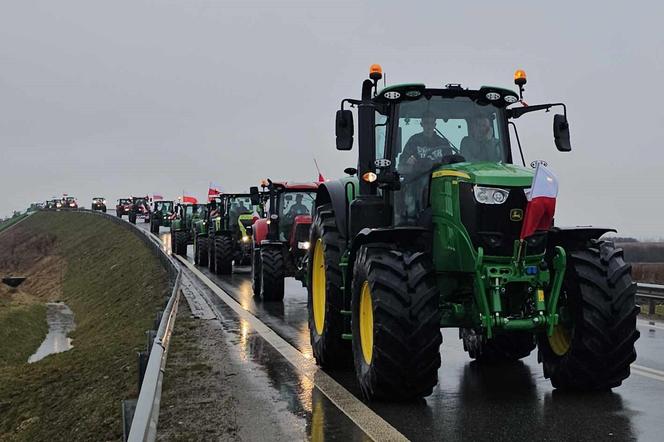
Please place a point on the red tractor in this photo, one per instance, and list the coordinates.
(280, 240)
(122, 207)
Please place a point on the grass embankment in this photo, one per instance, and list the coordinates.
(11, 221)
(114, 285)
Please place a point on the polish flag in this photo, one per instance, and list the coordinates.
(189, 199)
(156, 197)
(213, 191)
(541, 202)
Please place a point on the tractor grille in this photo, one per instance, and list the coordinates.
(494, 227)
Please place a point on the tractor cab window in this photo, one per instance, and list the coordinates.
(164, 206)
(436, 131)
(291, 205)
(237, 206)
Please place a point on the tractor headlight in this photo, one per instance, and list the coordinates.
(245, 238)
(490, 195)
(304, 245)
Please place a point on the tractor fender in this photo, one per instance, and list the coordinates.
(260, 228)
(333, 192)
(574, 238)
(409, 238)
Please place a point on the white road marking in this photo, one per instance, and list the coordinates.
(648, 372)
(366, 419)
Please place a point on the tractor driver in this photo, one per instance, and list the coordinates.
(424, 149)
(298, 208)
(481, 144)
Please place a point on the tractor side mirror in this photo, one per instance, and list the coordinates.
(561, 133)
(254, 195)
(344, 129)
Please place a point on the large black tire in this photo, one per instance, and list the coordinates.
(146, 219)
(256, 270)
(502, 347)
(201, 252)
(180, 243)
(592, 349)
(223, 254)
(329, 349)
(272, 273)
(211, 253)
(118, 214)
(132, 217)
(154, 226)
(403, 336)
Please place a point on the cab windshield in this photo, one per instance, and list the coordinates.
(291, 205)
(238, 205)
(437, 127)
(440, 130)
(164, 206)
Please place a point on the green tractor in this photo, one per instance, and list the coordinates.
(160, 215)
(182, 226)
(228, 241)
(429, 235)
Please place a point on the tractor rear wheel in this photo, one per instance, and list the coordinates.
(201, 251)
(324, 294)
(272, 273)
(180, 241)
(132, 217)
(502, 347)
(223, 255)
(256, 270)
(593, 345)
(395, 323)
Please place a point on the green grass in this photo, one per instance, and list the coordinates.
(11, 221)
(114, 286)
(22, 329)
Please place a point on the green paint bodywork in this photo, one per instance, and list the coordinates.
(474, 287)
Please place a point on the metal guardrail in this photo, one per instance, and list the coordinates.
(652, 294)
(146, 414)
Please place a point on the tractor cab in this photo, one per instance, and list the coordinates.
(99, 203)
(442, 224)
(139, 208)
(161, 214)
(70, 202)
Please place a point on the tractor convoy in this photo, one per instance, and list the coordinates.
(440, 224)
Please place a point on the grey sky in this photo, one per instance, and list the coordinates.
(131, 96)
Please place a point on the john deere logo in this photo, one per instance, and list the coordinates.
(516, 214)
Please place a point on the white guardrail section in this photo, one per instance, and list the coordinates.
(146, 415)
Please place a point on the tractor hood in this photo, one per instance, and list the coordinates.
(488, 174)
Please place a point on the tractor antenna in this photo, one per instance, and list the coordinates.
(320, 175)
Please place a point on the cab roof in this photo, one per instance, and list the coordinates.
(297, 186)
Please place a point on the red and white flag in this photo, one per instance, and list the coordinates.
(213, 191)
(189, 199)
(541, 202)
(156, 197)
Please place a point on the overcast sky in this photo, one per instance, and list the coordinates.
(135, 96)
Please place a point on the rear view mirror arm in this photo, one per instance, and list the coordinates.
(518, 111)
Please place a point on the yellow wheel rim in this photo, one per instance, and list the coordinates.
(318, 287)
(560, 340)
(366, 323)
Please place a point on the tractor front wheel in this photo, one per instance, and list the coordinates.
(180, 242)
(272, 273)
(256, 270)
(592, 347)
(324, 295)
(395, 323)
(132, 217)
(201, 254)
(223, 255)
(154, 227)
(211, 260)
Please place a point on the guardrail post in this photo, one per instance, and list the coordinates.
(128, 409)
(652, 307)
(142, 366)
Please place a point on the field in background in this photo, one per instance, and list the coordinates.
(114, 285)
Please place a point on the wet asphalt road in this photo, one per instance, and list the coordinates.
(471, 401)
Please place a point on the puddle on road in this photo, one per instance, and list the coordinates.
(60, 320)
